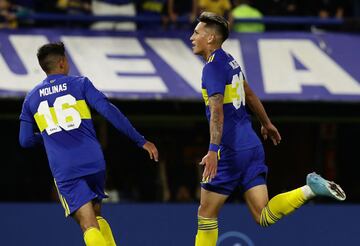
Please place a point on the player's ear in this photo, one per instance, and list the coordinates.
(62, 62)
(211, 38)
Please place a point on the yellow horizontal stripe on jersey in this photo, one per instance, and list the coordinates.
(40, 121)
(80, 106)
(205, 96)
(230, 94)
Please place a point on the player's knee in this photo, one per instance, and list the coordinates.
(85, 225)
(207, 211)
(257, 220)
(257, 216)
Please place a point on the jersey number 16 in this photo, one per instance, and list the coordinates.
(61, 116)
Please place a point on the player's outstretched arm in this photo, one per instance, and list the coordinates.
(102, 105)
(98, 101)
(267, 128)
(152, 150)
(27, 137)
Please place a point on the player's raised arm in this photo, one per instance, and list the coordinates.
(103, 106)
(267, 128)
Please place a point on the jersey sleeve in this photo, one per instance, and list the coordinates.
(27, 136)
(214, 78)
(26, 114)
(103, 106)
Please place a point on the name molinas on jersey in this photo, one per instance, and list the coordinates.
(53, 89)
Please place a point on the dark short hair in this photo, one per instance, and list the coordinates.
(48, 54)
(216, 22)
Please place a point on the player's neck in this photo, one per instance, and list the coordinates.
(210, 51)
(55, 72)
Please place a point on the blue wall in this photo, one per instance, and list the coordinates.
(175, 225)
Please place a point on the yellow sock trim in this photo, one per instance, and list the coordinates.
(106, 231)
(93, 237)
(281, 205)
(207, 233)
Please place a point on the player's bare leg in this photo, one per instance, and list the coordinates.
(85, 216)
(256, 199)
(210, 205)
(105, 228)
(267, 212)
(97, 208)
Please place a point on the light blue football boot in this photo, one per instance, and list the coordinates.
(323, 187)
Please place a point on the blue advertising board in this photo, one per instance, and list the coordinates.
(175, 225)
(161, 65)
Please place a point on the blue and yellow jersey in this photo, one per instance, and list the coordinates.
(60, 107)
(223, 75)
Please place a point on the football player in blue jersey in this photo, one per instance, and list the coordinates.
(235, 157)
(60, 107)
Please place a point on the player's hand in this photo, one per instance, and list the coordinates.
(210, 161)
(152, 150)
(271, 131)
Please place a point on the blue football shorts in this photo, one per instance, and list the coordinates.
(76, 192)
(244, 169)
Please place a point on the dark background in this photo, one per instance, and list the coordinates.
(316, 136)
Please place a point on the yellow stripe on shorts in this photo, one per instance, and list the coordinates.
(63, 201)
